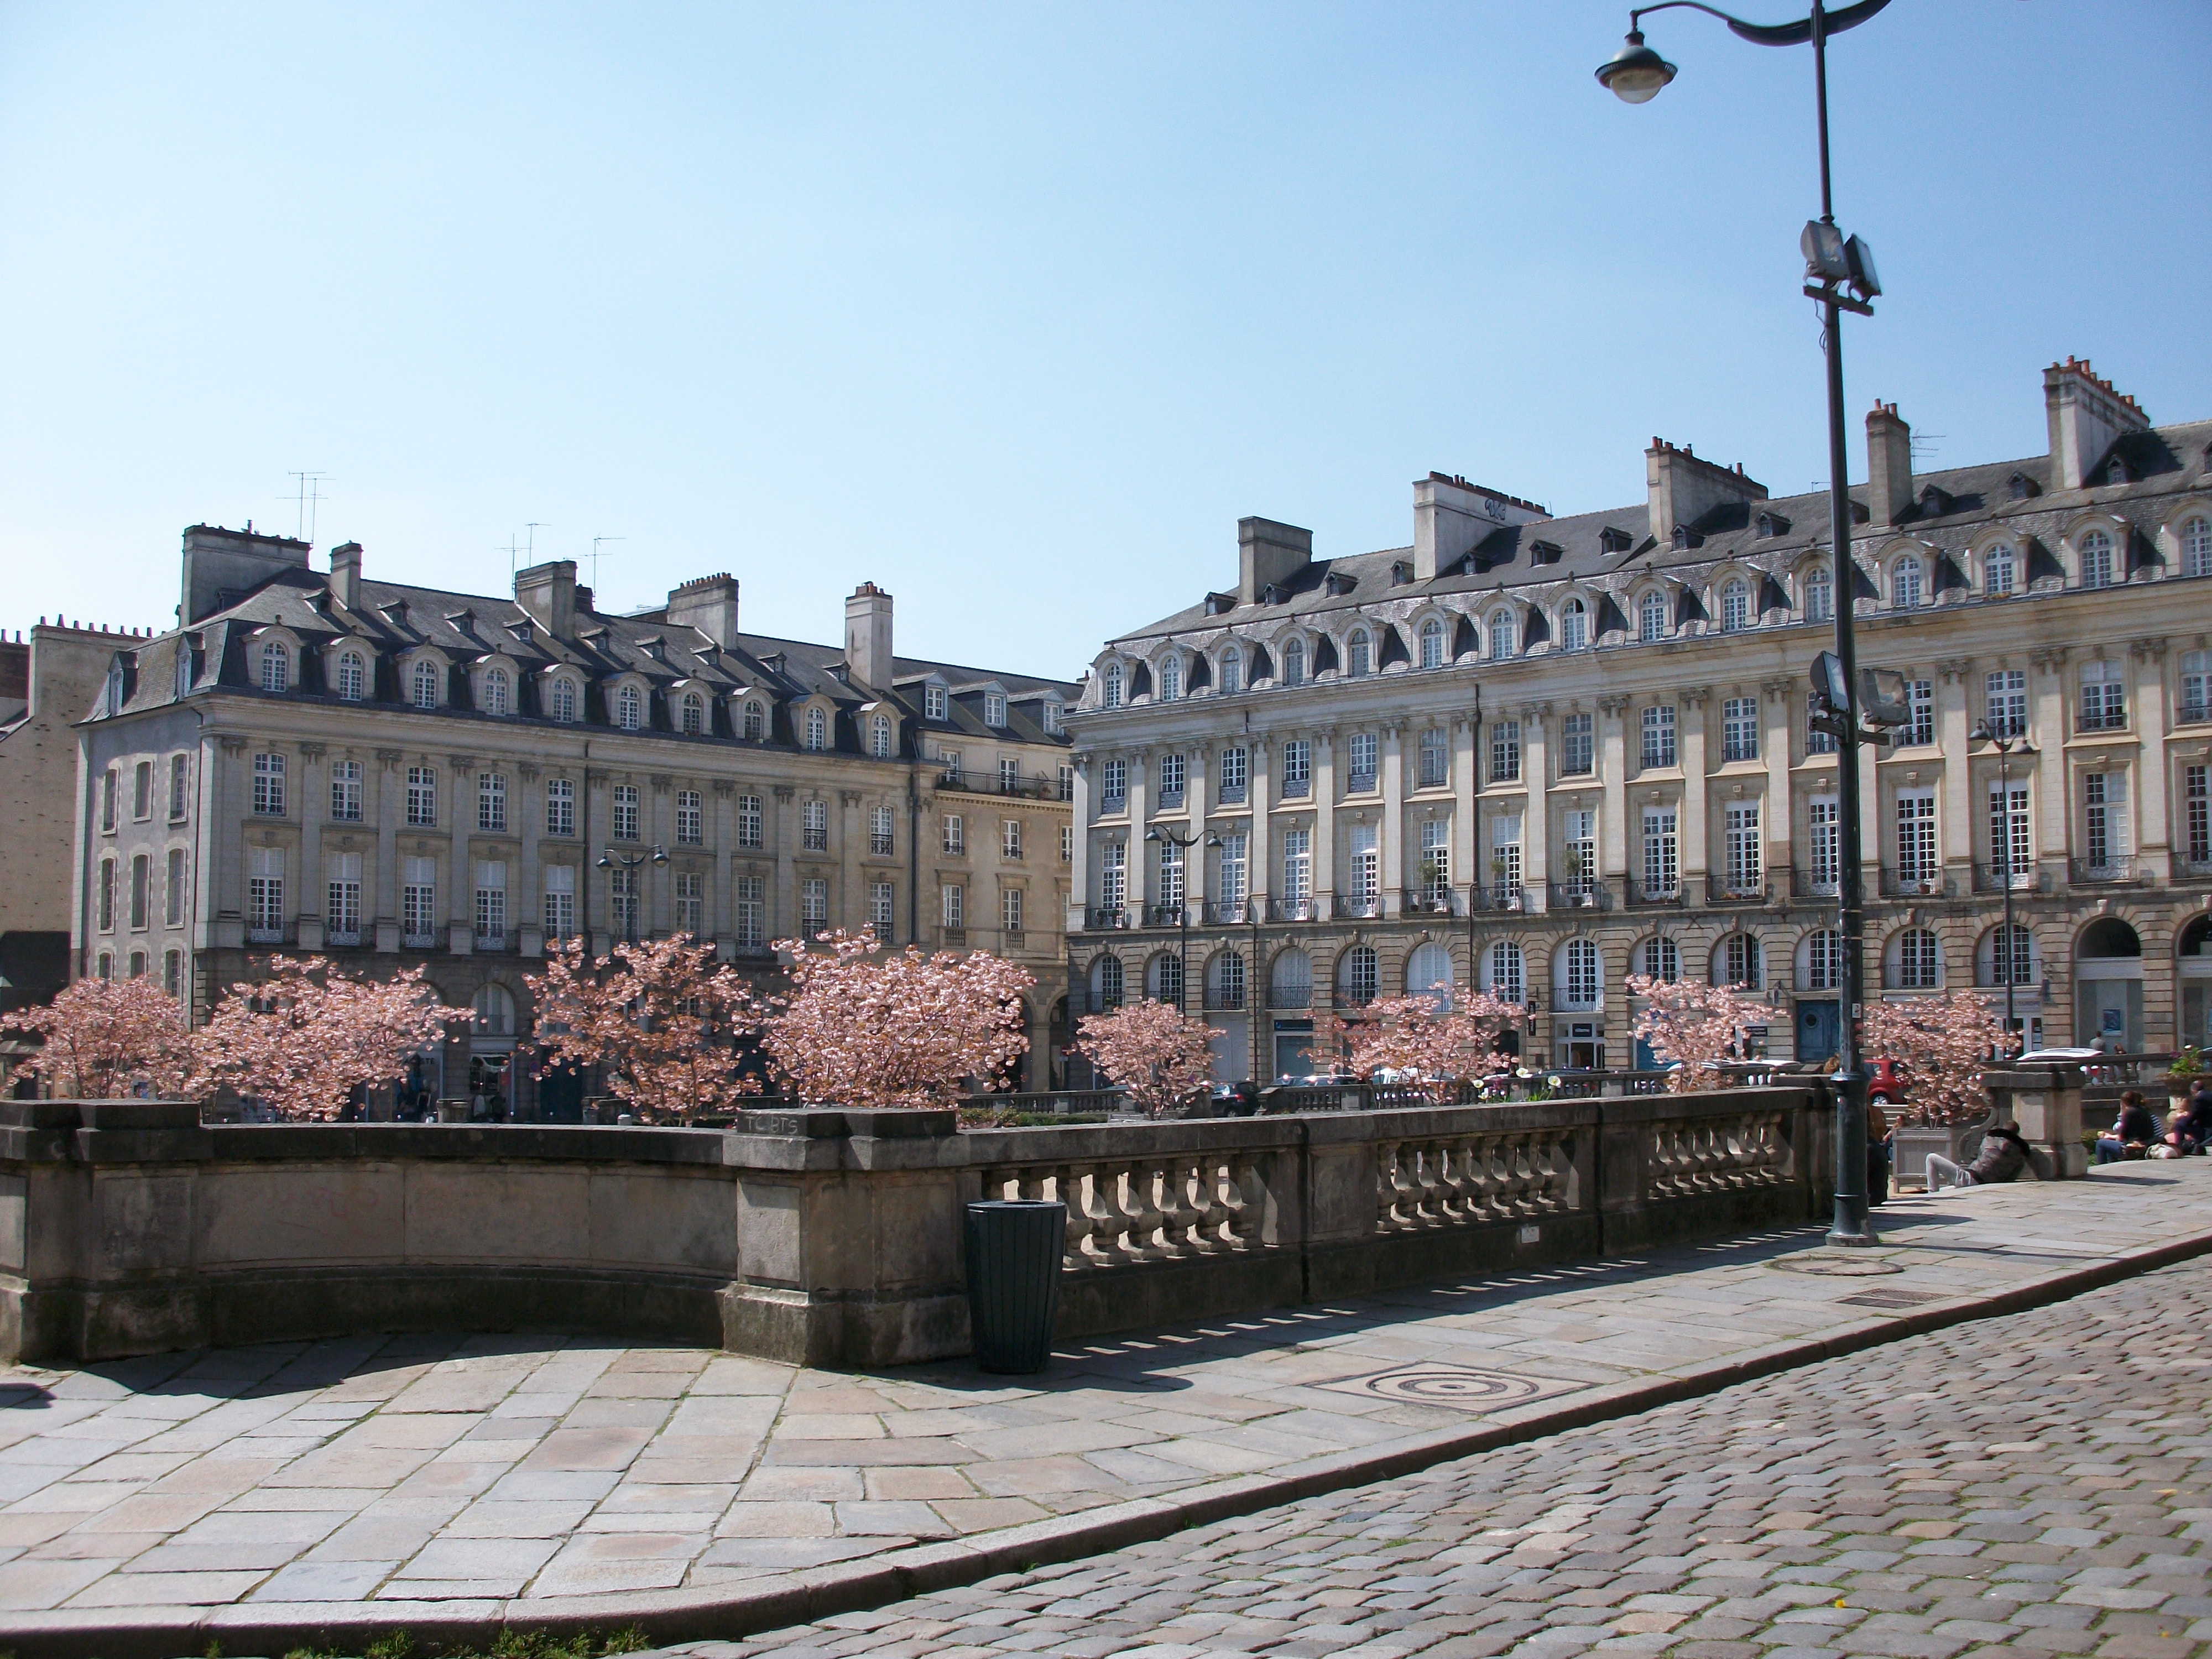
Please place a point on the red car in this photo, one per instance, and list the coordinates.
(1884, 1083)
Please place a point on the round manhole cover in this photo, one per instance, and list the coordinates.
(1836, 1264)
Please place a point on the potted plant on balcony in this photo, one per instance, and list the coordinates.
(1578, 894)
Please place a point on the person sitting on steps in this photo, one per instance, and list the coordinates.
(2004, 1155)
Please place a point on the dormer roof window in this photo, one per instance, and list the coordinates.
(2019, 487)
(1610, 540)
(1401, 572)
(1772, 525)
(394, 612)
(654, 647)
(1934, 503)
(1546, 552)
(1684, 538)
(2116, 470)
(1220, 604)
(1271, 594)
(1339, 584)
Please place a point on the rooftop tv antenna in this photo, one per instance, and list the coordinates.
(513, 551)
(309, 496)
(596, 540)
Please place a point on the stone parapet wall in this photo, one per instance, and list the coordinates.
(832, 1238)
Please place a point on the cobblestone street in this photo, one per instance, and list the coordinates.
(2037, 1484)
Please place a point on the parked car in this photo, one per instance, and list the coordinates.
(1236, 1099)
(1886, 1082)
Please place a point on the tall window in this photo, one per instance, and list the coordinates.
(693, 715)
(1651, 618)
(1366, 862)
(1918, 960)
(955, 898)
(172, 973)
(276, 667)
(2104, 696)
(1110, 694)
(1362, 759)
(1737, 962)
(691, 819)
(1112, 875)
(622, 902)
(1225, 975)
(425, 684)
(1170, 884)
(2196, 814)
(1010, 911)
(1010, 838)
(814, 826)
(142, 886)
(1297, 865)
(104, 907)
(418, 902)
(1113, 786)
(2197, 685)
(756, 722)
(1231, 887)
(1294, 662)
(110, 799)
(1508, 972)
(882, 832)
(1107, 982)
(956, 835)
(172, 889)
(1747, 855)
(749, 912)
(2096, 560)
(1358, 976)
(559, 903)
(1916, 838)
(1819, 595)
(1921, 701)
(1574, 626)
(422, 797)
(1823, 831)
(625, 814)
(1052, 717)
(142, 790)
(2104, 819)
(1435, 861)
(1579, 984)
(1066, 843)
(1735, 606)
(883, 901)
(491, 803)
(1740, 729)
(1170, 681)
(629, 709)
(561, 700)
(1659, 957)
(1662, 854)
(880, 737)
(1577, 746)
(1435, 766)
(1173, 773)
(1999, 571)
(352, 676)
(1504, 750)
(1578, 851)
(1504, 636)
(268, 785)
(491, 904)
(1908, 583)
(181, 785)
(345, 791)
(2195, 539)
(690, 902)
(1235, 772)
(1433, 643)
(2012, 845)
(1506, 859)
(1297, 769)
(1659, 735)
(2005, 702)
(1359, 655)
(749, 821)
(1824, 960)
(1067, 781)
(265, 893)
(817, 730)
(2012, 954)
(560, 806)
(498, 691)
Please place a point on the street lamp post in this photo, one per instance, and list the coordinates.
(611, 860)
(1182, 843)
(1637, 75)
(2004, 746)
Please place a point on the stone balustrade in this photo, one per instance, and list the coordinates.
(833, 1237)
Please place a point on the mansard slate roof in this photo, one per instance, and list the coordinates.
(393, 618)
(1969, 500)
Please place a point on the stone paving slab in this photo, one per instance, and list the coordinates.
(453, 1482)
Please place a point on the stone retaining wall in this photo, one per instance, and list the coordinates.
(832, 1238)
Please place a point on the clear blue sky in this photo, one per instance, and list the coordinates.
(1015, 309)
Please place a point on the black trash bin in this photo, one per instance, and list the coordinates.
(1013, 1280)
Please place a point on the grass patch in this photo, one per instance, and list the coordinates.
(509, 1645)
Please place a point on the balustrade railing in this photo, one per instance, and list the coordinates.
(1472, 1180)
(1359, 906)
(2099, 872)
(1146, 1207)
(1228, 913)
(1691, 1157)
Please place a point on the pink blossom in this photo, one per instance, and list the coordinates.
(1158, 1052)
(1439, 1047)
(103, 1038)
(1696, 1024)
(667, 1024)
(1946, 1042)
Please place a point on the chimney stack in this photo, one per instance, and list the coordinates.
(2087, 416)
(221, 566)
(1268, 555)
(1450, 515)
(1889, 466)
(345, 574)
(868, 637)
(548, 592)
(1682, 489)
(709, 605)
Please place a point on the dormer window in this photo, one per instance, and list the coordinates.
(1232, 671)
(1220, 604)
(1337, 584)
(561, 700)
(1294, 662)
(880, 737)
(1546, 552)
(1574, 626)
(351, 681)
(2096, 560)
(1772, 525)
(424, 689)
(755, 722)
(694, 714)
(1110, 691)
(1610, 540)
(994, 702)
(652, 646)
(276, 666)
(1401, 572)
(1682, 537)
(934, 701)
(1934, 503)
(1735, 606)
(1433, 643)
(1359, 655)
(498, 691)
(1053, 714)
(1651, 618)
(629, 709)
(1272, 594)
(2116, 470)
(817, 730)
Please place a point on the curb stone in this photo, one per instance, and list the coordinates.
(803, 1597)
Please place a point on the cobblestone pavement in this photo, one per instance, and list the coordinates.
(477, 1476)
(2039, 1485)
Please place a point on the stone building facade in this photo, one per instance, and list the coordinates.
(388, 775)
(1540, 753)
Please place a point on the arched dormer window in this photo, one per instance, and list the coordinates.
(1433, 643)
(2096, 560)
(1232, 671)
(1504, 636)
(498, 692)
(424, 690)
(561, 702)
(2196, 539)
(1651, 618)
(1908, 583)
(880, 737)
(1574, 626)
(629, 709)
(351, 679)
(1999, 571)
(1110, 686)
(1170, 679)
(693, 715)
(276, 666)
(1819, 595)
(1294, 662)
(1359, 655)
(1735, 606)
(817, 730)
(755, 720)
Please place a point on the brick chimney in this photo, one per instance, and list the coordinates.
(221, 566)
(2087, 416)
(345, 574)
(868, 637)
(548, 592)
(1268, 555)
(1889, 466)
(1683, 489)
(709, 605)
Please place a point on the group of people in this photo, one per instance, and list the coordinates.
(2137, 1132)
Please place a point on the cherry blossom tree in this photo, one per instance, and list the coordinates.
(1695, 1024)
(1946, 1042)
(862, 1026)
(102, 1039)
(1159, 1053)
(665, 1022)
(302, 1039)
(1439, 1047)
